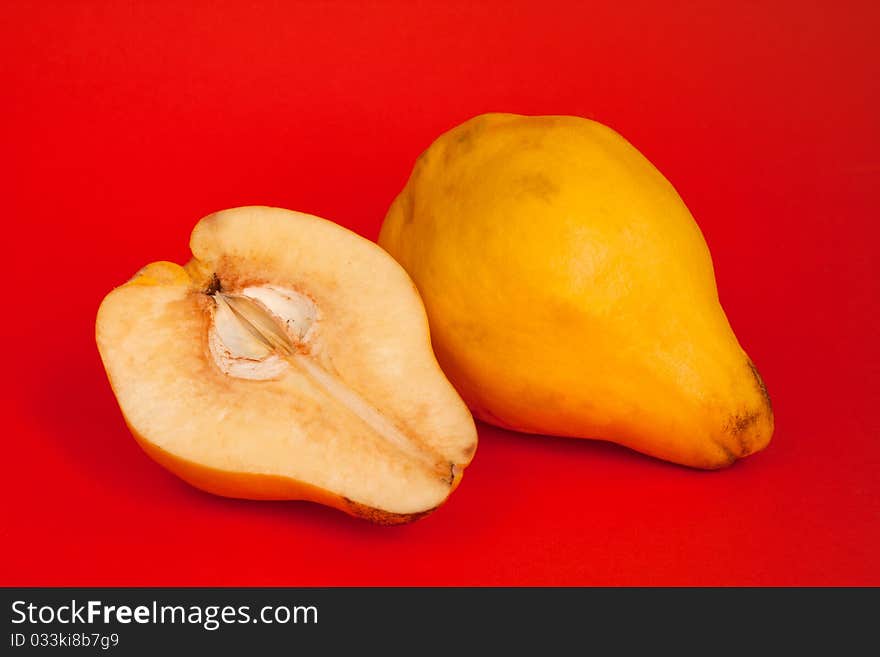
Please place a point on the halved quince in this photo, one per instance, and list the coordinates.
(289, 359)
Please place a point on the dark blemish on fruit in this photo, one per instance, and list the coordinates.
(214, 286)
(740, 423)
(538, 185)
(764, 394)
(458, 146)
(383, 517)
(406, 207)
(731, 457)
(465, 140)
(422, 161)
(738, 428)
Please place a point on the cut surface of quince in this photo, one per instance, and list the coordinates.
(289, 359)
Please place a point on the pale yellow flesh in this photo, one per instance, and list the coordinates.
(360, 409)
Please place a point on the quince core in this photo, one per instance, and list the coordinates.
(289, 359)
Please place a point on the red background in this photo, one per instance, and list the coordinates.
(123, 123)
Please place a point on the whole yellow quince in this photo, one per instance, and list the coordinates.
(570, 292)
